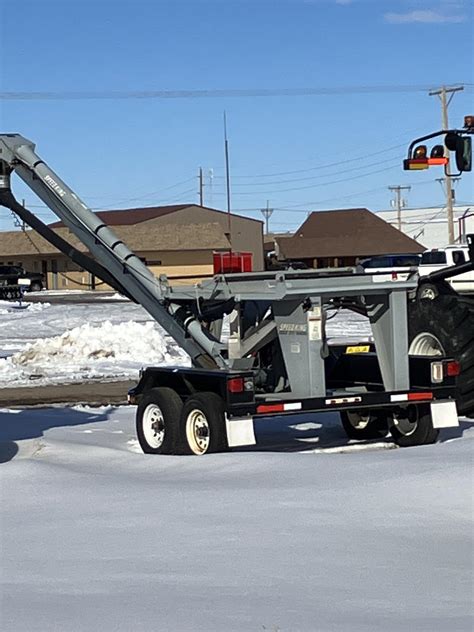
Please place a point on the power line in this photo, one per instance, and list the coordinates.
(74, 95)
(291, 207)
(366, 192)
(315, 186)
(140, 197)
(408, 133)
(325, 175)
(101, 208)
(321, 166)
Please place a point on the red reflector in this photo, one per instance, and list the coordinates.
(270, 408)
(453, 368)
(413, 397)
(235, 385)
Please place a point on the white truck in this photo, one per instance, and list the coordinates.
(440, 258)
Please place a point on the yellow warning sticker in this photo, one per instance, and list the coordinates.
(358, 349)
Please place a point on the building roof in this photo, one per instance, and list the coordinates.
(126, 217)
(269, 238)
(139, 239)
(131, 216)
(270, 241)
(346, 233)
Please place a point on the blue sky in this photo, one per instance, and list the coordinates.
(301, 153)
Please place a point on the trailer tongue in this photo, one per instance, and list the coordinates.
(276, 360)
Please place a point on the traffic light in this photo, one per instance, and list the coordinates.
(464, 153)
(456, 141)
(420, 158)
(462, 147)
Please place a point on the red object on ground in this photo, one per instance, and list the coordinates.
(228, 262)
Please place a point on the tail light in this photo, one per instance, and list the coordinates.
(240, 384)
(453, 368)
(441, 370)
(235, 385)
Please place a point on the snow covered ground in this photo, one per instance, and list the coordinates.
(300, 534)
(304, 532)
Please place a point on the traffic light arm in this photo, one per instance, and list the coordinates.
(417, 141)
(456, 140)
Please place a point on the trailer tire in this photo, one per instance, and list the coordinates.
(372, 425)
(445, 326)
(36, 286)
(157, 422)
(202, 424)
(427, 291)
(413, 426)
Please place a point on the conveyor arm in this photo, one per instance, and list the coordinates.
(17, 154)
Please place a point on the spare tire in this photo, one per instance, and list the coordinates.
(445, 326)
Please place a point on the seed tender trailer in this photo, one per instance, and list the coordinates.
(275, 360)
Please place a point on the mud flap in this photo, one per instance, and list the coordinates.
(239, 431)
(444, 414)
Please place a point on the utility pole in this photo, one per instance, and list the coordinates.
(399, 202)
(227, 180)
(442, 93)
(201, 188)
(442, 182)
(17, 221)
(211, 180)
(267, 213)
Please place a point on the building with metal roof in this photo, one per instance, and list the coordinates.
(343, 237)
(175, 240)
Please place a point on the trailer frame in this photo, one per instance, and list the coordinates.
(277, 352)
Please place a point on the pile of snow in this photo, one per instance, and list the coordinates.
(113, 297)
(92, 352)
(9, 307)
(343, 326)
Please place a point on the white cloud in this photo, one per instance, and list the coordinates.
(343, 1)
(427, 16)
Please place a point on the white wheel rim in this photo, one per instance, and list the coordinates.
(358, 422)
(198, 432)
(428, 293)
(153, 425)
(426, 344)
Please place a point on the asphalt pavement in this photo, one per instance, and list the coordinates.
(92, 393)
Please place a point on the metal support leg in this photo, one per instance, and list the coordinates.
(301, 336)
(388, 317)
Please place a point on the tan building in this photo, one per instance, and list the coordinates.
(178, 241)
